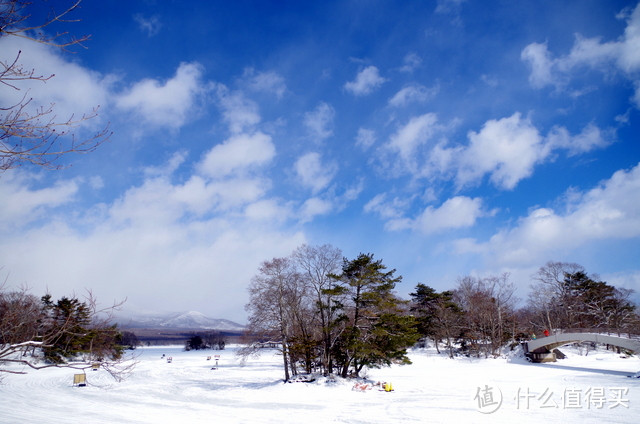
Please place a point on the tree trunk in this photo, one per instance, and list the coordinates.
(285, 357)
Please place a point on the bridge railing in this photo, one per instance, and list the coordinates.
(599, 330)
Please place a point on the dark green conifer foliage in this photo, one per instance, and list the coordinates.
(376, 331)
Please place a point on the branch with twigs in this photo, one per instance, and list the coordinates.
(35, 135)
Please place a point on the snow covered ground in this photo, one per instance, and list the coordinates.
(584, 389)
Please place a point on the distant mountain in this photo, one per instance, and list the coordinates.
(184, 320)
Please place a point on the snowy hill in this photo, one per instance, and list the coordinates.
(183, 320)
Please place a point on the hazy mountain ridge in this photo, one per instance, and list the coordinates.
(182, 320)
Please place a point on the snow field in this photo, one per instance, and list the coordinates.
(434, 389)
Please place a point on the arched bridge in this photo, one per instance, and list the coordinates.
(540, 349)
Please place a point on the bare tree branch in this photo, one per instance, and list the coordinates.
(36, 136)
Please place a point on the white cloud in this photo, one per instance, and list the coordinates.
(628, 280)
(622, 55)
(96, 182)
(410, 62)
(448, 6)
(150, 265)
(442, 159)
(150, 25)
(540, 61)
(71, 88)
(455, 213)
(365, 138)
(313, 173)
(366, 81)
(238, 154)
(507, 149)
(268, 82)
(609, 211)
(590, 138)
(314, 207)
(21, 203)
(319, 122)
(225, 183)
(198, 235)
(629, 58)
(414, 93)
(240, 113)
(418, 131)
(168, 103)
(393, 209)
(268, 210)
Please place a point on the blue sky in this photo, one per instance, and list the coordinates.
(449, 138)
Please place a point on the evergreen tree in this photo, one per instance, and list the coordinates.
(194, 342)
(376, 332)
(439, 317)
(69, 319)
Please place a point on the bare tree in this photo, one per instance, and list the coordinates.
(274, 295)
(488, 304)
(316, 264)
(29, 133)
(549, 296)
(20, 313)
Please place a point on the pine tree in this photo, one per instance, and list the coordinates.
(376, 331)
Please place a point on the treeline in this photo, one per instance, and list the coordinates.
(209, 340)
(482, 315)
(41, 332)
(330, 314)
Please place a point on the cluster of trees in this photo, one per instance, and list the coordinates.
(478, 317)
(335, 315)
(211, 340)
(40, 333)
(481, 315)
(565, 296)
(328, 313)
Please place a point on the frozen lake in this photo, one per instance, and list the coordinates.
(586, 389)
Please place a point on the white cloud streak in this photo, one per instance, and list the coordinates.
(414, 93)
(151, 25)
(266, 82)
(239, 112)
(455, 213)
(365, 138)
(22, 203)
(418, 131)
(622, 55)
(366, 82)
(410, 63)
(609, 211)
(319, 122)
